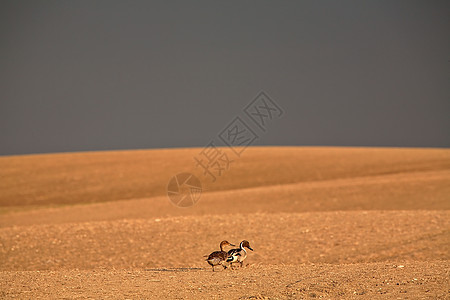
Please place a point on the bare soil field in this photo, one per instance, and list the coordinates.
(349, 223)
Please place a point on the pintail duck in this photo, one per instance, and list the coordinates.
(239, 255)
(219, 257)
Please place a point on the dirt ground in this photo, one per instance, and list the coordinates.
(423, 280)
(349, 223)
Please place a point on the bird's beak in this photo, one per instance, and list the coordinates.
(233, 245)
(250, 248)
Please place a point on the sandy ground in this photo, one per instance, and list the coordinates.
(324, 223)
(354, 281)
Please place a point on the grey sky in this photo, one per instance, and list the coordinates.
(104, 75)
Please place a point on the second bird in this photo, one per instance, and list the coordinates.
(238, 255)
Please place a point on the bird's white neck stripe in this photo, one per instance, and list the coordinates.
(242, 248)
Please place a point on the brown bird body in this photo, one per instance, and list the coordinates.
(219, 257)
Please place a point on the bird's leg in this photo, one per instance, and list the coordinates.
(242, 264)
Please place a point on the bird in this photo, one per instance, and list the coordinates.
(219, 257)
(238, 255)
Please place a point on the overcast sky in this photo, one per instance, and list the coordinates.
(105, 75)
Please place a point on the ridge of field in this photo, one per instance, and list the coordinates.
(281, 238)
(428, 190)
(71, 178)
